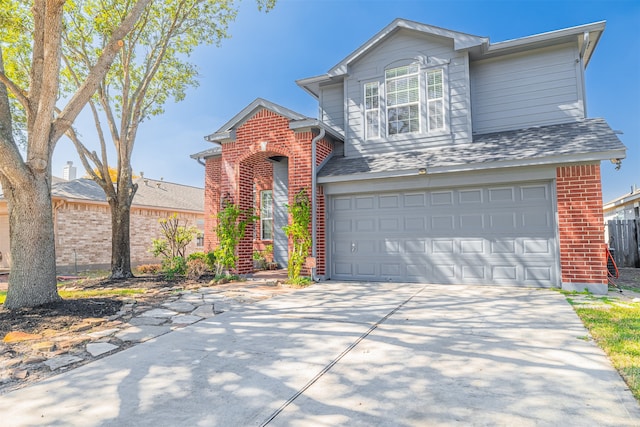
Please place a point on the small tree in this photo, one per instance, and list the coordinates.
(173, 244)
(299, 233)
(232, 222)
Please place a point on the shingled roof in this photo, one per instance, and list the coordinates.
(151, 193)
(585, 140)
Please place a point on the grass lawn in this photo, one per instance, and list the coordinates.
(615, 326)
(90, 293)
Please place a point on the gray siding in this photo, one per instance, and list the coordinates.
(539, 88)
(332, 106)
(280, 215)
(401, 48)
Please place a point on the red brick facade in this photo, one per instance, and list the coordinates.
(580, 222)
(243, 166)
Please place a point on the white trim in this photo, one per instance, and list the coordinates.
(371, 110)
(262, 218)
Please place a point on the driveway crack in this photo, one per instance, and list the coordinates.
(331, 364)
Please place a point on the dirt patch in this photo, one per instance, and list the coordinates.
(58, 316)
(629, 278)
(30, 337)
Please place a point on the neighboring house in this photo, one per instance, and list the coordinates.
(623, 207)
(82, 221)
(437, 157)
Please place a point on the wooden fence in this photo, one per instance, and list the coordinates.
(624, 239)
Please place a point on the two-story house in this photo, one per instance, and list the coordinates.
(437, 157)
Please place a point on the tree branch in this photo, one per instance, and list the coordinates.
(15, 90)
(97, 73)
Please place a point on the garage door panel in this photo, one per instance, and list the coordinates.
(501, 195)
(505, 246)
(536, 246)
(504, 272)
(442, 246)
(366, 224)
(534, 192)
(444, 273)
(473, 272)
(442, 198)
(502, 221)
(537, 274)
(414, 224)
(472, 246)
(471, 222)
(416, 272)
(342, 203)
(470, 197)
(364, 203)
(415, 246)
(442, 222)
(497, 234)
(342, 226)
(389, 224)
(388, 202)
(366, 269)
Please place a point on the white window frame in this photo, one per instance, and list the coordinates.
(413, 71)
(375, 110)
(424, 103)
(435, 100)
(263, 211)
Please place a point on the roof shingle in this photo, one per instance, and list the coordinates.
(563, 141)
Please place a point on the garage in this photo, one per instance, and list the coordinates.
(502, 234)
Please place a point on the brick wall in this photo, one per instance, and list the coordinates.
(212, 194)
(580, 221)
(244, 163)
(86, 228)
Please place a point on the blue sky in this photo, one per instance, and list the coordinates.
(304, 38)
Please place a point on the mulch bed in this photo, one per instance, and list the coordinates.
(64, 314)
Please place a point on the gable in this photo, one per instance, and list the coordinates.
(459, 41)
(402, 47)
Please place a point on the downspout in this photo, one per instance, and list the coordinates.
(583, 51)
(314, 214)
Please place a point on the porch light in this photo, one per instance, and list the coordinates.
(617, 162)
(422, 171)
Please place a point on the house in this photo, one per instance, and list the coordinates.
(623, 207)
(82, 221)
(437, 157)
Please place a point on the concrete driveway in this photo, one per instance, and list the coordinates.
(356, 354)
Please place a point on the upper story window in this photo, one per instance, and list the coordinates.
(408, 106)
(403, 99)
(435, 99)
(372, 109)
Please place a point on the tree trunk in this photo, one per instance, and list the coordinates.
(32, 281)
(120, 237)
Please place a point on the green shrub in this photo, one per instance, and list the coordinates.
(174, 266)
(300, 281)
(299, 233)
(209, 259)
(232, 222)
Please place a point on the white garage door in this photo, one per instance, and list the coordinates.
(484, 235)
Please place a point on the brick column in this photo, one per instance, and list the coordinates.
(212, 177)
(581, 225)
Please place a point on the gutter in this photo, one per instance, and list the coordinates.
(314, 214)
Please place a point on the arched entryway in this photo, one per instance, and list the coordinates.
(263, 188)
